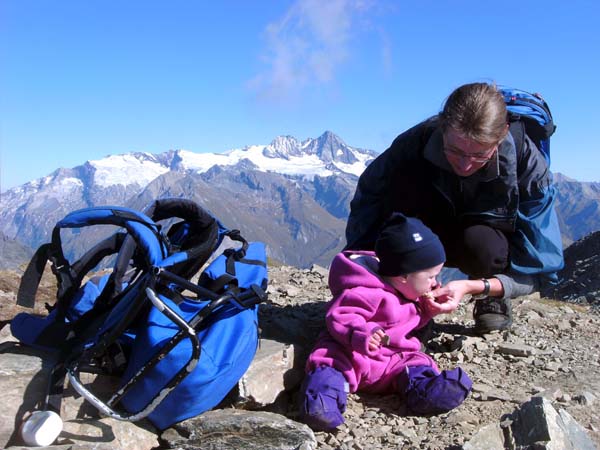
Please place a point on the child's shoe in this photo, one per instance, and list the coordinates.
(323, 397)
(430, 392)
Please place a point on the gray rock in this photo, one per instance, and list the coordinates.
(290, 291)
(6, 335)
(462, 418)
(564, 325)
(536, 424)
(565, 398)
(515, 349)
(586, 398)
(553, 366)
(495, 394)
(490, 437)
(271, 372)
(236, 429)
(322, 271)
(552, 393)
(576, 433)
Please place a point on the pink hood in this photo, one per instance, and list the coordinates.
(352, 269)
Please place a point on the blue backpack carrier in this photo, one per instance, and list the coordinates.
(529, 114)
(178, 346)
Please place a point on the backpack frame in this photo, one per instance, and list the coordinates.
(105, 324)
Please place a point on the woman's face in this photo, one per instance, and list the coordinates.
(465, 155)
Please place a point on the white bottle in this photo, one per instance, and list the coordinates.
(41, 428)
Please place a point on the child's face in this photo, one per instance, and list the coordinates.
(418, 283)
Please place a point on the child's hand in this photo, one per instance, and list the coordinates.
(377, 338)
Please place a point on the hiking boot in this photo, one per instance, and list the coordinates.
(492, 314)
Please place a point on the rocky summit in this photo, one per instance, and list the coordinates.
(580, 278)
(536, 385)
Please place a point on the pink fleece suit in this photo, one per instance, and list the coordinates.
(362, 302)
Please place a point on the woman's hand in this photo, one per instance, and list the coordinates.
(445, 299)
(454, 289)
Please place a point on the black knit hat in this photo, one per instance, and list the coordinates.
(406, 245)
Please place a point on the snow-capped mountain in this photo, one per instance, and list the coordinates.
(324, 156)
(294, 195)
(306, 184)
(328, 155)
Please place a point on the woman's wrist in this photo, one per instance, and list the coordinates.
(479, 288)
(483, 289)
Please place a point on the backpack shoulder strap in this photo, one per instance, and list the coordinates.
(517, 130)
(69, 276)
(30, 280)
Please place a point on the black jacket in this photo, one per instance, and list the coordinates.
(414, 177)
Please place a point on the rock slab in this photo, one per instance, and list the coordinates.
(271, 372)
(242, 430)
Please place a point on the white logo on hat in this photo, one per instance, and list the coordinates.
(417, 237)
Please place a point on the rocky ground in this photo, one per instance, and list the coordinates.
(550, 351)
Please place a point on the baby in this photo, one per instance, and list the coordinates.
(379, 300)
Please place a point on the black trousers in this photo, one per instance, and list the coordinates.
(477, 250)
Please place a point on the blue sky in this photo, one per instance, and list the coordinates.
(80, 80)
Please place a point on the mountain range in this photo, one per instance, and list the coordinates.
(577, 207)
(294, 195)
